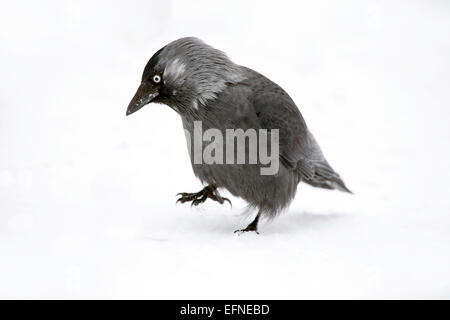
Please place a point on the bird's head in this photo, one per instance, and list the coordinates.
(185, 75)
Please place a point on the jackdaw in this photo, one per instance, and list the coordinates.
(203, 85)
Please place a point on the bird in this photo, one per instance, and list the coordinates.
(202, 84)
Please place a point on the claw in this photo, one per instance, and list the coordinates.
(239, 232)
(195, 203)
(202, 196)
(226, 199)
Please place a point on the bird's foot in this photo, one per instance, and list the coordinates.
(201, 196)
(250, 228)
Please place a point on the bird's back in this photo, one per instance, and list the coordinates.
(299, 150)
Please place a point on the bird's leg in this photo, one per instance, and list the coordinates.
(252, 226)
(201, 196)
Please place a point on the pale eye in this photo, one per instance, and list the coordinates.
(156, 78)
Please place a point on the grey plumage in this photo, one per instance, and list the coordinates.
(201, 84)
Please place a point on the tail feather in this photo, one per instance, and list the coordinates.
(325, 177)
(315, 169)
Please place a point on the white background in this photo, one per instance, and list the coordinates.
(87, 195)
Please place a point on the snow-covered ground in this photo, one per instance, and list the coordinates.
(87, 195)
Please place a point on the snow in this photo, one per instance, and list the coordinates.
(87, 195)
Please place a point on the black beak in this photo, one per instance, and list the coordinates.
(143, 96)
